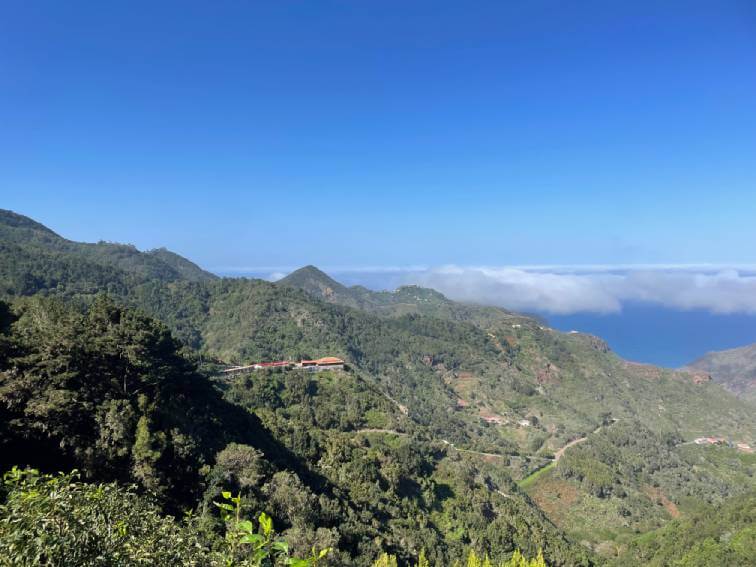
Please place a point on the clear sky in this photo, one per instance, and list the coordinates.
(373, 133)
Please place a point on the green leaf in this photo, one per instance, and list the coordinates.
(226, 495)
(251, 538)
(260, 554)
(246, 526)
(281, 547)
(266, 523)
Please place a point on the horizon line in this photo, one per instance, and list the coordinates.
(587, 268)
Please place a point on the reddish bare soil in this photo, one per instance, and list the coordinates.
(658, 497)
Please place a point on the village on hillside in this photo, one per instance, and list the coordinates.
(316, 365)
(740, 446)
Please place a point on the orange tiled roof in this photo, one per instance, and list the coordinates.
(329, 360)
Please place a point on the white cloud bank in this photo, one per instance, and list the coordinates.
(596, 289)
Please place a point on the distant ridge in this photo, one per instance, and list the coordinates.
(734, 369)
(405, 300)
(499, 362)
(39, 258)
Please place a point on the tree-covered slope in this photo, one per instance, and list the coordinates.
(445, 406)
(406, 300)
(108, 392)
(627, 479)
(473, 370)
(489, 377)
(721, 535)
(421, 491)
(35, 259)
(319, 284)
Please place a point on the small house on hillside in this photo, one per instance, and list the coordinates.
(326, 363)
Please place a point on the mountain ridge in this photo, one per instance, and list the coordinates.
(474, 383)
(41, 255)
(405, 300)
(534, 361)
(734, 369)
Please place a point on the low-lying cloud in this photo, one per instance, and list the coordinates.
(599, 289)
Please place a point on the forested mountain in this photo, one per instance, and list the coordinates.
(335, 462)
(419, 446)
(735, 369)
(35, 259)
(406, 300)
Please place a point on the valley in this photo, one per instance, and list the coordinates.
(451, 427)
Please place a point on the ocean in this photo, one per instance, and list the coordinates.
(662, 336)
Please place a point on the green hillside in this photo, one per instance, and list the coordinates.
(722, 535)
(35, 259)
(628, 479)
(406, 300)
(446, 406)
(332, 460)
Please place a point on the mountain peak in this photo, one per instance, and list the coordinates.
(311, 274)
(310, 270)
(315, 282)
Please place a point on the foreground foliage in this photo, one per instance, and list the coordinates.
(54, 520)
(57, 520)
(473, 560)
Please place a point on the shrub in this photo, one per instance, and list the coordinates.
(54, 520)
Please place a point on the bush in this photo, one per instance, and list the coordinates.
(54, 520)
(57, 521)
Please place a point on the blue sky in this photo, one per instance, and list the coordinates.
(370, 133)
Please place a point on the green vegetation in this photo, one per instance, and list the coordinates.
(57, 520)
(531, 479)
(724, 535)
(107, 392)
(417, 449)
(626, 479)
(473, 560)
